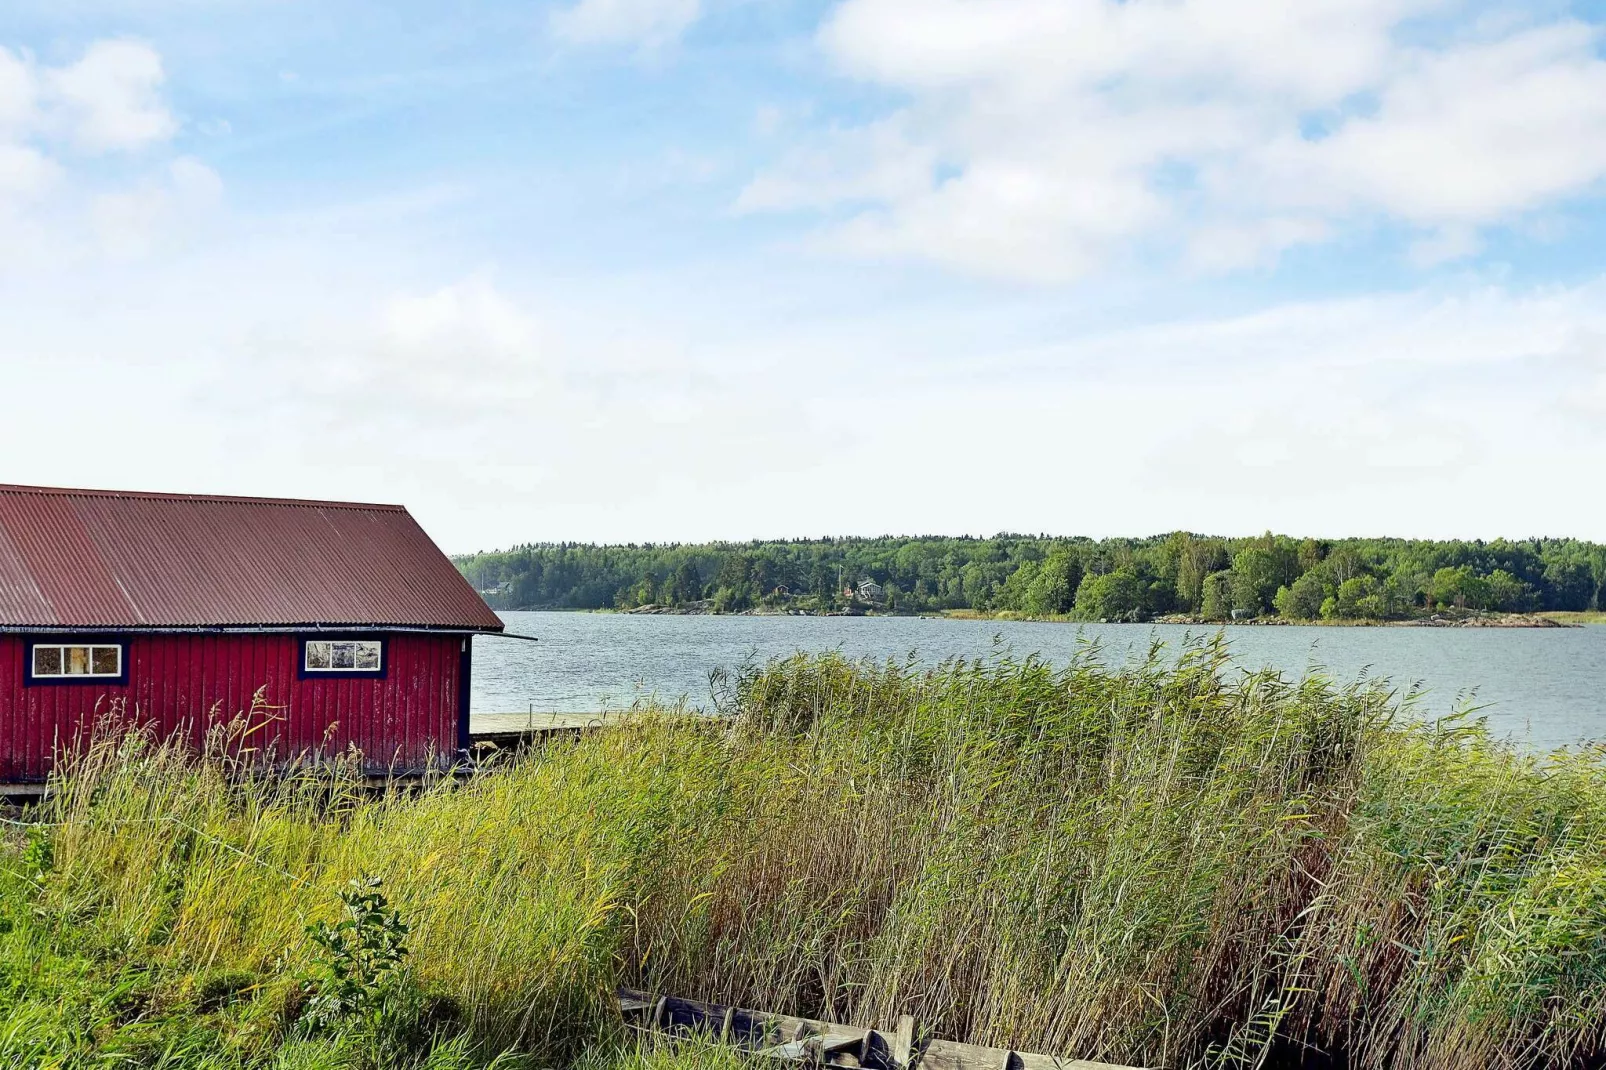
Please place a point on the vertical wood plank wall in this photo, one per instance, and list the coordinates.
(183, 684)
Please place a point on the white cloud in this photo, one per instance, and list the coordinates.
(877, 162)
(17, 92)
(647, 23)
(503, 410)
(731, 392)
(466, 341)
(1465, 136)
(162, 211)
(110, 99)
(56, 206)
(1444, 244)
(1040, 137)
(24, 172)
(1419, 413)
(1217, 247)
(490, 394)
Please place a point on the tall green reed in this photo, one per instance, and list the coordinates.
(1170, 863)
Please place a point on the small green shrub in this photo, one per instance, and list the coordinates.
(38, 857)
(360, 958)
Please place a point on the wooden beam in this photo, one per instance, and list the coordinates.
(824, 1044)
(903, 1041)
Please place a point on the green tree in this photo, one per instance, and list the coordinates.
(1255, 578)
(1311, 554)
(1041, 575)
(1570, 585)
(1055, 586)
(1302, 600)
(1113, 596)
(1509, 594)
(735, 572)
(686, 586)
(1356, 597)
(1015, 592)
(1245, 596)
(1196, 559)
(1460, 587)
(1215, 600)
(642, 592)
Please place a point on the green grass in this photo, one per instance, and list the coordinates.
(1585, 616)
(1164, 865)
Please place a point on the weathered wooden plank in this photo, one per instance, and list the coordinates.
(829, 1044)
(819, 1048)
(793, 1051)
(952, 1055)
(1054, 1062)
(903, 1041)
(496, 724)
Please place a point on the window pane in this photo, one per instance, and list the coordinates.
(77, 659)
(105, 661)
(47, 661)
(345, 655)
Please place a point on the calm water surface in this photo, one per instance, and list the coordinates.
(1542, 686)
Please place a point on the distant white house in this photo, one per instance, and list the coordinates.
(871, 591)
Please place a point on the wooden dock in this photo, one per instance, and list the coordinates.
(510, 731)
(827, 1044)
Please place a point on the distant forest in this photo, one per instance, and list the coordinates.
(1109, 579)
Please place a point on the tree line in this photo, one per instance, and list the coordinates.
(1111, 579)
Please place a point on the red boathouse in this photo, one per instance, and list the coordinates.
(174, 610)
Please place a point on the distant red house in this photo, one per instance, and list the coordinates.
(175, 610)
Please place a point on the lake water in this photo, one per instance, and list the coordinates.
(1542, 686)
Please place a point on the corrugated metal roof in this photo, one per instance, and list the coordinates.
(121, 559)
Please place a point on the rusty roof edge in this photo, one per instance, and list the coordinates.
(88, 492)
(150, 562)
(451, 566)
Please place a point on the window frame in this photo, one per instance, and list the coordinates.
(33, 642)
(304, 673)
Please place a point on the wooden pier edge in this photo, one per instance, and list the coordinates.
(828, 1044)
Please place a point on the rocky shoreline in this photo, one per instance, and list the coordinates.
(1478, 620)
(705, 608)
(1471, 620)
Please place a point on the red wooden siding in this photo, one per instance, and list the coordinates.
(182, 683)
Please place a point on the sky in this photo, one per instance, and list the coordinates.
(648, 270)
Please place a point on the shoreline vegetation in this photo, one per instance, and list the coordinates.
(1164, 864)
(1446, 619)
(1449, 619)
(1176, 578)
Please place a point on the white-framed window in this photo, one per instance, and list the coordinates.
(67, 661)
(344, 655)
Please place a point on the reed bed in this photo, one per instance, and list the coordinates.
(1173, 863)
